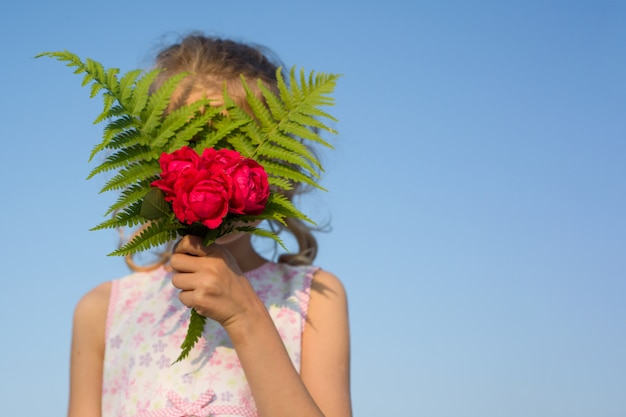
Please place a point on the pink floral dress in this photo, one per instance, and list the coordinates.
(146, 324)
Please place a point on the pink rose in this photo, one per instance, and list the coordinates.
(172, 165)
(250, 189)
(212, 159)
(201, 196)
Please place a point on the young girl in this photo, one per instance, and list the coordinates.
(276, 342)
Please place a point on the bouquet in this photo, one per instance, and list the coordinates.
(201, 169)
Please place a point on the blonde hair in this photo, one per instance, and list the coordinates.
(212, 64)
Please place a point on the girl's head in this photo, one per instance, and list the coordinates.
(215, 63)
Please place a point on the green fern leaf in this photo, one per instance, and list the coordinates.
(262, 233)
(294, 88)
(119, 124)
(129, 196)
(281, 204)
(287, 155)
(281, 183)
(95, 88)
(110, 80)
(136, 172)
(194, 333)
(225, 129)
(165, 135)
(128, 217)
(241, 143)
(158, 102)
(140, 95)
(124, 157)
(116, 126)
(157, 233)
(125, 86)
(276, 107)
(154, 205)
(302, 131)
(296, 146)
(188, 132)
(126, 138)
(110, 110)
(108, 101)
(288, 172)
(261, 112)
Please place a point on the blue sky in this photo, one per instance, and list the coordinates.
(476, 192)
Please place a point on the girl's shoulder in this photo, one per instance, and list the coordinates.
(325, 364)
(324, 279)
(328, 296)
(95, 301)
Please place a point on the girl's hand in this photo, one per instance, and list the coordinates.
(211, 282)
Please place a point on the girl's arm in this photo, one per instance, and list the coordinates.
(87, 354)
(325, 366)
(211, 282)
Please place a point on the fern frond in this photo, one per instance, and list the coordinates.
(125, 86)
(174, 121)
(126, 138)
(121, 123)
(108, 100)
(134, 173)
(129, 196)
(95, 71)
(288, 172)
(156, 233)
(158, 102)
(294, 88)
(283, 89)
(277, 108)
(72, 60)
(188, 132)
(110, 110)
(141, 88)
(95, 89)
(110, 80)
(293, 144)
(123, 157)
(301, 130)
(224, 129)
(248, 126)
(289, 156)
(194, 332)
(261, 112)
(241, 143)
(128, 217)
(280, 204)
(262, 233)
(297, 108)
(282, 183)
(116, 126)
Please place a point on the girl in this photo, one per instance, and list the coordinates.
(277, 340)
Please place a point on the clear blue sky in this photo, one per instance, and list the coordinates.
(477, 192)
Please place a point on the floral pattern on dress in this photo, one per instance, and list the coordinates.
(146, 324)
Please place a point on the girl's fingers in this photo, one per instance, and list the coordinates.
(184, 262)
(186, 297)
(184, 281)
(192, 245)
